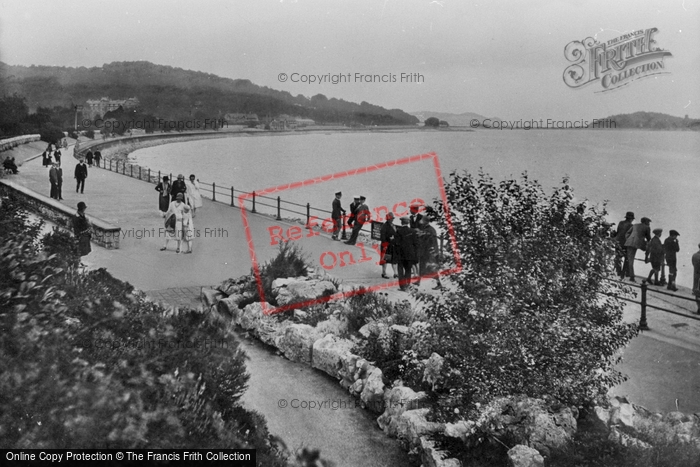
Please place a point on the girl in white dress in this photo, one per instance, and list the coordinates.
(194, 196)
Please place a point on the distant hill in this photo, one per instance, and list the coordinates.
(462, 119)
(175, 93)
(653, 121)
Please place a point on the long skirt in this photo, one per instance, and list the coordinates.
(163, 202)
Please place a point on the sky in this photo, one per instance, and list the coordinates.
(496, 58)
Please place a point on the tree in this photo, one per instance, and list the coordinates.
(531, 311)
(13, 111)
(432, 122)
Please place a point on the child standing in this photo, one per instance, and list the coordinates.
(655, 254)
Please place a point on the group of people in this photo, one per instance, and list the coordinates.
(91, 158)
(410, 248)
(631, 237)
(10, 165)
(178, 203)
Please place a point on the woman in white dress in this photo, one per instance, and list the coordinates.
(187, 229)
(194, 196)
(178, 209)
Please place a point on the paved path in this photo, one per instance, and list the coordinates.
(663, 363)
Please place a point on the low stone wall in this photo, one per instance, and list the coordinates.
(531, 424)
(104, 233)
(10, 143)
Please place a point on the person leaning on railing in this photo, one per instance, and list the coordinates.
(671, 247)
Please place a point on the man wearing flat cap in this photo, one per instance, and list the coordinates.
(337, 215)
(637, 238)
(362, 216)
(671, 247)
(620, 250)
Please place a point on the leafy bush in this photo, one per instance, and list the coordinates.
(89, 362)
(289, 262)
(63, 247)
(364, 306)
(532, 312)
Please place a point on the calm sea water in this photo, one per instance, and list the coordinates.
(655, 174)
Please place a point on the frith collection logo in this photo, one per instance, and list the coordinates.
(615, 63)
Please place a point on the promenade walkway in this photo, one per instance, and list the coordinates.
(663, 363)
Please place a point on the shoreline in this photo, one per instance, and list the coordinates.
(121, 149)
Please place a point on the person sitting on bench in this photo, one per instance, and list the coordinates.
(9, 164)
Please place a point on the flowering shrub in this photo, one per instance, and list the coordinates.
(531, 312)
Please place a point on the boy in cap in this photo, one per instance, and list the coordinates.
(655, 254)
(337, 215)
(671, 247)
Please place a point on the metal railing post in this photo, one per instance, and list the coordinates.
(279, 201)
(308, 213)
(110, 165)
(213, 191)
(132, 171)
(253, 202)
(232, 196)
(643, 321)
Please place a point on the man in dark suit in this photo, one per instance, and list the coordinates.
(353, 208)
(337, 215)
(59, 179)
(81, 174)
(406, 251)
(53, 179)
(179, 186)
(621, 262)
(415, 216)
(362, 215)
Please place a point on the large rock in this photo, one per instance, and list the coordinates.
(250, 315)
(622, 414)
(328, 354)
(373, 391)
(236, 286)
(269, 329)
(229, 306)
(461, 430)
(528, 421)
(296, 342)
(210, 297)
(396, 401)
(412, 424)
(294, 291)
(524, 456)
